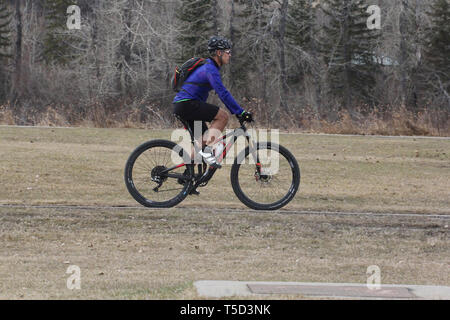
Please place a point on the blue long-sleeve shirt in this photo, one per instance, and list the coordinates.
(209, 76)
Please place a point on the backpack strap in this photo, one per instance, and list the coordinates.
(196, 83)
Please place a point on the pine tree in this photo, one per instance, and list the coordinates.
(437, 48)
(300, 23)
(348, 48)
(5, 47)
(198, 22)
(253, 42)
(57, 40)
(299, 35)
(407, 51)
(5, 36)
(245, 40)
(302, 34)
(235, 77)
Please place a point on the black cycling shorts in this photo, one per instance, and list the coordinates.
(196, 110)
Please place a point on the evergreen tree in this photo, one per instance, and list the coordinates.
(57, 40)
(198, 22)
(407, 52)
(5, 36)
(5, 45)
(254, 44)
(348, 47)
(236, 78)
(243, 37)
(300, 23)
(303, 52)
(299, 35)
(437, 48)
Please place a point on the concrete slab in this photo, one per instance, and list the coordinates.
(333, 291)
(220, 289)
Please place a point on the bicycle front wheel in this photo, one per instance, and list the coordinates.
(153, 171)
(268, 181)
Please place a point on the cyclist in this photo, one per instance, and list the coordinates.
(190, 102)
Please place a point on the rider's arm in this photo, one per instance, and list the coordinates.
(215, 81)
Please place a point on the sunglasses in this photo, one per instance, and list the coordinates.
(227, 52)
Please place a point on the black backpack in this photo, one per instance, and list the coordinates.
(183, 72)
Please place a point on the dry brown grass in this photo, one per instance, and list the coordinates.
(109, 114)
(6, 115)
(398, 122)
(141, 253)
(139, 114)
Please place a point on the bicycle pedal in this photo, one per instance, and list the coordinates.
(194, 192)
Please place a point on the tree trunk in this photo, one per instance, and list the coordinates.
(316, 81)
(347, 57)
(262, 63)
(124, 54)
(403, 54)
(232, 68)
(282, 57)
(17, 87)
(95, 41)
(215, 17)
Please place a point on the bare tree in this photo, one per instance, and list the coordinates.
(17, 88)
(280, 36)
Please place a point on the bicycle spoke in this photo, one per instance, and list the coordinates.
(272, 185)
(146, 178)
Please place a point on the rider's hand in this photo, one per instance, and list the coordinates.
(246, 116)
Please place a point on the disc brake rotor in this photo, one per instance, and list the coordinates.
(263, 178)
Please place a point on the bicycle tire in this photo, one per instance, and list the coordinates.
(253, 203)
(131, 185)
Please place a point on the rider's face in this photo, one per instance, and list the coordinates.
(226, 56)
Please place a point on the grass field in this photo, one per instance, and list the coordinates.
(139, 253)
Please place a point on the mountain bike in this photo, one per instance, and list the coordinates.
(161, 173)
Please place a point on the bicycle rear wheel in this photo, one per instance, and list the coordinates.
(272, 185)
(147, 178)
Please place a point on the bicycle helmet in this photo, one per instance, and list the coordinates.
(218, 43)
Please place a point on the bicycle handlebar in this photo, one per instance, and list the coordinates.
(242, 120)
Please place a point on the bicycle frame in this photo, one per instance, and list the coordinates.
(236, 133)
(204, 177)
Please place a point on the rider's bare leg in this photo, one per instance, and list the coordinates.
(215, 130)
